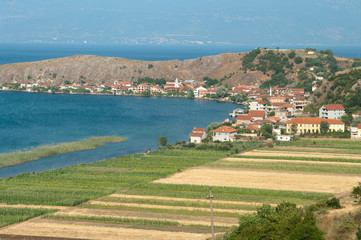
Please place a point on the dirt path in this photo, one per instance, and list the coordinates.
(152, 206)
(184, 199)
(264, 179)
(265, 160)
(317, 149)
(182, 219)
(300, 154)
(85, 230)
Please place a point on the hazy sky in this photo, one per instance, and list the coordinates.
(248, 22)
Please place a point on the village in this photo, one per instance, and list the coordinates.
(276, 112)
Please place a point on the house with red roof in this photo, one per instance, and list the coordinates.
(197, 135)
(331, 111)
(257, 114)
(224, 134)
(243, 119)
(313, 124)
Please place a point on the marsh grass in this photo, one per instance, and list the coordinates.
(14, 158)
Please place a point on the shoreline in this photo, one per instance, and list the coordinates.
(130, 95)
(43, 151)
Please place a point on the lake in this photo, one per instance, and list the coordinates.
(28, 120)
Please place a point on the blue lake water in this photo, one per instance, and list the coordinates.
(28, 120)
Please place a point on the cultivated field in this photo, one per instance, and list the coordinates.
(163, 195)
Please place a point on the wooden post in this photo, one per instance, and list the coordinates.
(211, 197)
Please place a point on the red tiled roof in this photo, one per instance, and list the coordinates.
(196, 134)
(359, 126)
(198, 129)
(331, 107)
(287, 105)
(273, 119)
(252, 127)
(225, 129)
(313, 120)
(244, 117)
(256, 113)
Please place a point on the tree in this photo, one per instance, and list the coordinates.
(298, 60)
(292, 54)
(294, 128)
(190, 93)
(266, 130)
(162, 141)
(146, 93)
(324, 127)
(54, 88)
(347, 119)
(221, 92)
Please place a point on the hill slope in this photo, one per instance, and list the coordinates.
(270, 67)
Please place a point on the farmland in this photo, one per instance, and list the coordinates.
(163, 194)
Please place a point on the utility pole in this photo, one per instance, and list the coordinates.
(211, 197)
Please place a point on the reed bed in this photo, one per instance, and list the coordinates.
(14, 158)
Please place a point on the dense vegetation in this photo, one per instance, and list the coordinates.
(286, 221)
(345, 89)
(13, 215)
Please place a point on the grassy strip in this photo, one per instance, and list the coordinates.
(179, 203)
(226, 193)
(131, 221)
(14, 215)
(345, 144)
(8, 159)
(301, 167)
(301, 158)
(158, 210)
(315, 149)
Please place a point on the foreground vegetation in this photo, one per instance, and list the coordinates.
(8, 159)
(13, 215)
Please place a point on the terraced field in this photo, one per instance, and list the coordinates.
(163, 195)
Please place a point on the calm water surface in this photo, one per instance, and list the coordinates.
(28, 120)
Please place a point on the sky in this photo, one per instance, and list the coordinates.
(182, 22)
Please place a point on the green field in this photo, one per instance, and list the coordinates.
(169, 206)
(13, 215)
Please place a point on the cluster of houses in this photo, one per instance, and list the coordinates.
(284, 109)
(119, 87)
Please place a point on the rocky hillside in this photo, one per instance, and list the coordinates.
(271, 67)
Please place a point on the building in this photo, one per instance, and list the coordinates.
(284, 137)
(257, 114)
(332, 111)
(197, 135)
(200, 92)
(172, 85)
(224, 134)
(243, 119)
(313, 124)
(356, 131)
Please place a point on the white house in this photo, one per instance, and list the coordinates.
(200, 92)
(224, 134)
(356, 131)
(197, 135)
(331, 111)
(284, 137)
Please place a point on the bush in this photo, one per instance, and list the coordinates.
(356, 192)
(298, 60)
